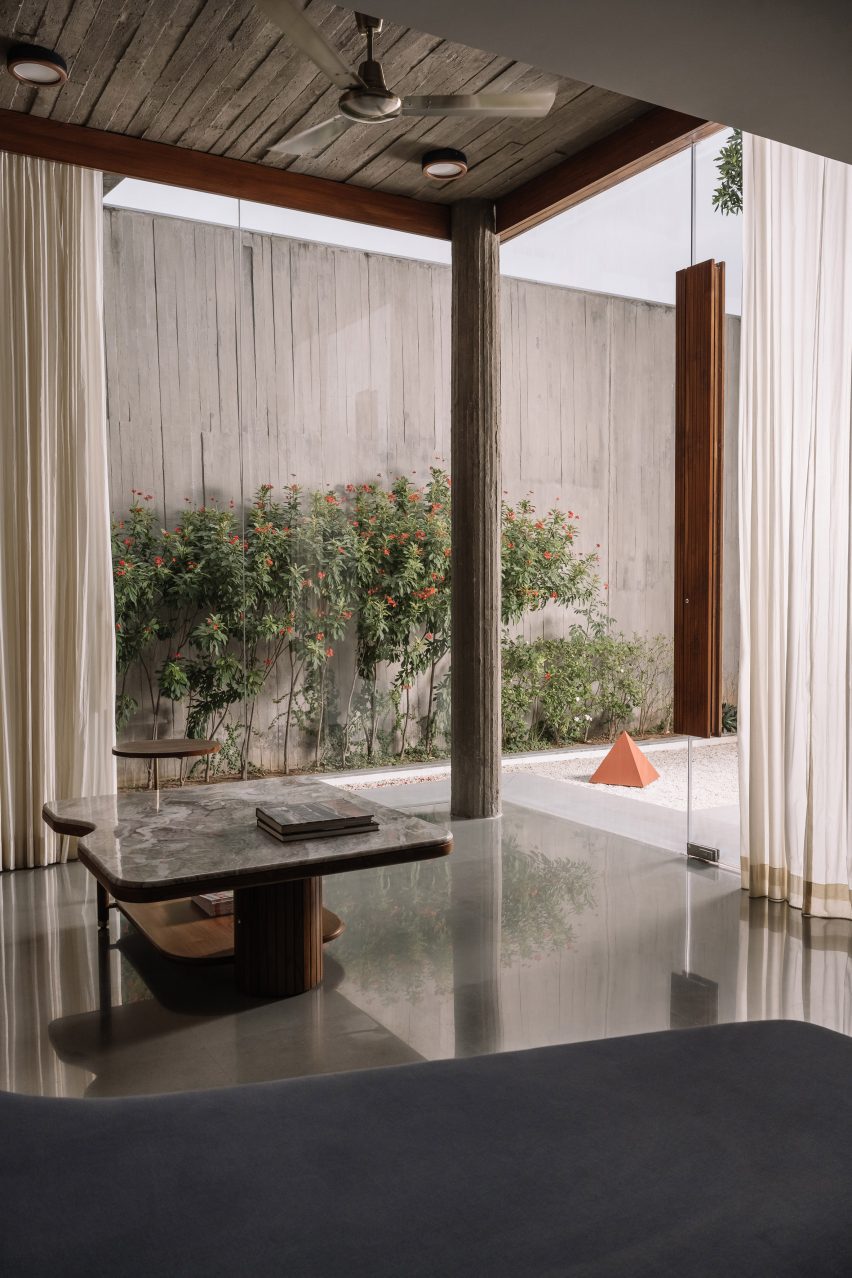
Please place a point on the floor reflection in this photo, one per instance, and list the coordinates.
(534, 931)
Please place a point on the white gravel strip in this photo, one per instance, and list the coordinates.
(714, 776)
(715, 781)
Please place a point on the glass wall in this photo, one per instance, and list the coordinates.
(171, 289)
(589, 371)
(279, 434)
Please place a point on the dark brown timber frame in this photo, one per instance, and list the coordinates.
(217, 175)
(699, 438)
(637, 146)
(653, 137)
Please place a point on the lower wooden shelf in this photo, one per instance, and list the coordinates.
(179, 930)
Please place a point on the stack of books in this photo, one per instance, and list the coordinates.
(291, 822)
(215, 903)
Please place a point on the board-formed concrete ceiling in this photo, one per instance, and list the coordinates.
(215, 76)
(778, 68)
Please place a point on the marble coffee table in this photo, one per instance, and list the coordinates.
(153, 850)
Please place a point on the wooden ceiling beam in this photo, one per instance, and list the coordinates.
(217, 175)
(654, 136)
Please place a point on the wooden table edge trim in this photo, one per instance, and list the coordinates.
(60, 825)
(139, 893)
(209, 747)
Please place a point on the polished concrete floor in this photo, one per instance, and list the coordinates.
(536, 930)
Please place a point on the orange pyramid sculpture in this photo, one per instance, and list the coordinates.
(625, 765)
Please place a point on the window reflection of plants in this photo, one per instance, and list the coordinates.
(398, 941)
(540, 897)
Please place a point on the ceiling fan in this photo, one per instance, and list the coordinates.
(365, 97)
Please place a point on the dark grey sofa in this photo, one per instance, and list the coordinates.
(723, 1151)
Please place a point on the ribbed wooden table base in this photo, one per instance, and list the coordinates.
(278, 938)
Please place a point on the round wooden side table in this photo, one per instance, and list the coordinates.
(166, 748)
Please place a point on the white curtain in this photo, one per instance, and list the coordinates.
(796, 529)
(57, 638)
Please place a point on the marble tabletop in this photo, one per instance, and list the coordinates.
(144, 845)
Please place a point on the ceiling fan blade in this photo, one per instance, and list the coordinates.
(289, 18)
(507, 104)
(313, 139)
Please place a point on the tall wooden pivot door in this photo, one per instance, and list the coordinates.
(699, 438)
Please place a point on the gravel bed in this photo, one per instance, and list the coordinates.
(715, 781)
(714, 776)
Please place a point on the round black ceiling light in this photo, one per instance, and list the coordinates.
(444, 165)
(37, 67)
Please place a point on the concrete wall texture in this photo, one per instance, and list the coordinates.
(237, 358)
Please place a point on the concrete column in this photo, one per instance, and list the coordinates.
(476, 729)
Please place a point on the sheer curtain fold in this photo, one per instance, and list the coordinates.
(796, 529)
(57, 638)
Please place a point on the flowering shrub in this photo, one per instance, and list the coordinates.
(540, 565)
(403, 577)
(594, 682)
(227, 605)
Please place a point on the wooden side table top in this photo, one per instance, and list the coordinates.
(167, 748)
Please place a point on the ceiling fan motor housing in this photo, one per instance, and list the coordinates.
(373, 103)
